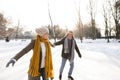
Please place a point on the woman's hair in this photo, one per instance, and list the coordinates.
(68, 33)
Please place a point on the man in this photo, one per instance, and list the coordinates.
(41, 61)
(69, 44)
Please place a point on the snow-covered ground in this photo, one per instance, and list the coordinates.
(100, 61)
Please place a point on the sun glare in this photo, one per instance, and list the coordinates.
(34, 13)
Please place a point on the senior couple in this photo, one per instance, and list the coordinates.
(41, 65)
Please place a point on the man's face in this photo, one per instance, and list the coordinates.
(70, 35)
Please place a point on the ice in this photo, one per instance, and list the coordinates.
(100, 60)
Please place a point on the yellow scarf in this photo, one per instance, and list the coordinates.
(34, 64)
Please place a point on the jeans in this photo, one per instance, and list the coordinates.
(42, 71)
(63, 65)
(33, 78)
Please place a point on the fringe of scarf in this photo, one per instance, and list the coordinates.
(34, 63)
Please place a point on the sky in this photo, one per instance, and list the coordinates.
(34, 13)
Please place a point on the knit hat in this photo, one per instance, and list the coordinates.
(42, 31)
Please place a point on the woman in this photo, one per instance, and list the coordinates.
(41, 61)
(69, 44)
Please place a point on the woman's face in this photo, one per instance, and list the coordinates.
(70, 35)
(46, 36)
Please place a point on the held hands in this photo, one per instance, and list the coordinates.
(12, 61)
(53, 45)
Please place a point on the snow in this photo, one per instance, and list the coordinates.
(100, 60)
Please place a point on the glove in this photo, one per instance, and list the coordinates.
(12, 61)
(53, 45)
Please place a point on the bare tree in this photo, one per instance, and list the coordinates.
(105, 14)
(114, 8)
(9, 31)
(59, 32)
(92, 9)
(79, 24)
(3, 22)
(17, 28)
(87, 31)
(54, 36)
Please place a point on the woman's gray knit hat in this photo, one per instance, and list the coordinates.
(42, 31)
